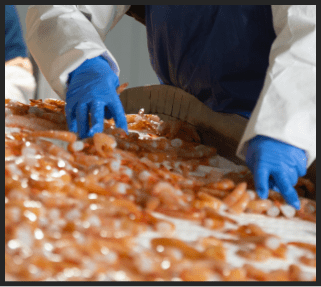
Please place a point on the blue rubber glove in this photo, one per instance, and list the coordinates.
(92, 89)
(277, 165)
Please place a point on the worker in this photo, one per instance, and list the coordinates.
(256, 61)
(20, 83)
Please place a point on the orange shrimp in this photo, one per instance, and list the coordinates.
(259, 205)
(55, 150)
(307, 246)
(31, 123)
(213, 202)
(260, 253)
(255, 273)
(224, 184)
(104, 143)
(121, 88)
(236, 194)
(197, 273)
(250, 229)
(273, 211)
(216, 252)
(187, 250)
(213, 223)
(59, 135)
(211, 213)
(278, 275)
(76, 146)
(236, 274)
(309, 261)
(239, 206)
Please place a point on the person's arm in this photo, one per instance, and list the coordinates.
(19, 80)
(62, 37)
(286, 109)
(14, 42)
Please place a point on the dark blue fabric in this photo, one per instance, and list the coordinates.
(219, 53)
(14, 43)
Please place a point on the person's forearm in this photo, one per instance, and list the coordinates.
(286, 109)
(61, 37)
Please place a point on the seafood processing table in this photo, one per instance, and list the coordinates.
(154, 204)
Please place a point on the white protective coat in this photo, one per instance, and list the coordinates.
(62, 37)
(20, 85)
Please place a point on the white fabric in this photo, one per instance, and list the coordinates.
(286, 109)
(62, 37)
(20, 85)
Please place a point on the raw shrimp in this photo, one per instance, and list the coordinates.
(260, 253)
(121, 88)
(259, 205)
(187, 250)
(255, 273)
(236, 194)
(104, 144)
(54, 150)
(32, 123)
(236, 274)
(59, 135)
(224, 184)
(180, 129)
(308, 260)
(214, 202)
(242, 203)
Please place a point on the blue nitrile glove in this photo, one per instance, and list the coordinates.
(276, 165)
(92, 89)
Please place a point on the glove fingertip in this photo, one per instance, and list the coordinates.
(262, 193)
(95, 129)
(297, 205)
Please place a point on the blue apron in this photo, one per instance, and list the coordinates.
(15, 45)
(218, 53)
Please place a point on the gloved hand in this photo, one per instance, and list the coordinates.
(92, 89)
(276, 165)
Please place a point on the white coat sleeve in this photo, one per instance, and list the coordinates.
(62, 37)
(20, 85)
(286, 108)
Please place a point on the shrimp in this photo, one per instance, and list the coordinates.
(260, 253)
(127, 145)
(255, 273)
(236, 194)
(307, 246)
(211, 213)
(259, 206)
(250, 229)
(236, 274)
(224, 184)
(278, 275)
(309, 261)
(76, 146)
(180, 129)
(59, 135)
(32, 123)
(214, 202)
(104, 144)
(121, 88)
(287, 210)
(88, 160)
(239, 206)
(213, 223)
(197, 273)
(187, 250)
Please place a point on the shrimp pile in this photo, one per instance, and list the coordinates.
(76, 209)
